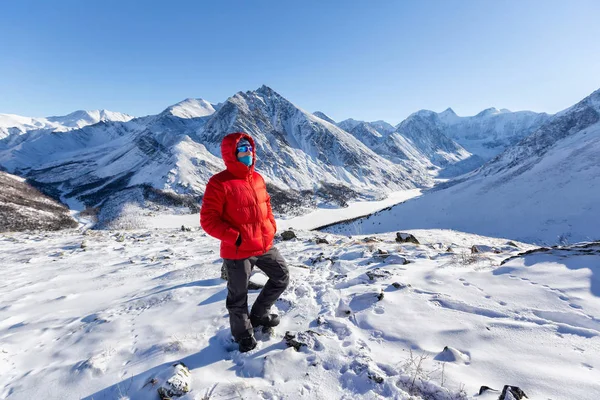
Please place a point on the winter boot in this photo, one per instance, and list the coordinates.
(246, 342)
(267, 320)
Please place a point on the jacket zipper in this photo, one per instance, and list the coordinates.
(250, 182)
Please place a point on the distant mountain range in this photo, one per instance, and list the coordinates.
(109, 160)
(11, 124)
(544, 189)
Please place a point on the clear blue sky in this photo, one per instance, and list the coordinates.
(369, 60)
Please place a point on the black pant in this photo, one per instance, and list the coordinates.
(238, 272)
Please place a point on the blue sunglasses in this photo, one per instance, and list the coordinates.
(244, 148)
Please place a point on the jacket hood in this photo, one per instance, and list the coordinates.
(228, 147)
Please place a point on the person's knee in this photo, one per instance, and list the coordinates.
(236, 300)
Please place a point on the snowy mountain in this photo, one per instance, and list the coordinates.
(348, 124)
(490, 132)
(146, 162)
(81, 118)
(191, 108)
(24, 207)
(425, 132)
(299, 151)
(380, 126)
(445, 142)
(16, 124)
(545, 189)
(167, 158)
(418, 142)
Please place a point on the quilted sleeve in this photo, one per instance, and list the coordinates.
(269, 209)
(211, 213)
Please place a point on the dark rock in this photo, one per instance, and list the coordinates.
(512, 393)
(288, 235)
(321, 241)
(298, 340)
(484, 389)
(321, 257)
(406, 238)
(479, 248)
(178, 384)
(381, 254)
(374, 377)
(513, 244)
(399, 285)
(300, 266)
(380, 296)
(377, 273)
(371, 239)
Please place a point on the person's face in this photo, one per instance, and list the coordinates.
(244, 151)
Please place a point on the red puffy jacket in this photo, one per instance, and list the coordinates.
(236, 203)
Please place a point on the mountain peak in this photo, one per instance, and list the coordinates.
(81, 118)
(422, 114)
(488, 111)
(191, 108)
(449, 111)
(266, 90)
(324, 116)
(348, 124)
(448, 116)
(594, 99)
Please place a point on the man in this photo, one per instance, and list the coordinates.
(236, 209)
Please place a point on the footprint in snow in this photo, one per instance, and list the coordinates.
(379, 310)
(588, 366)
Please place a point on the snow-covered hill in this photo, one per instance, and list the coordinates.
(546, 189)
(100, 315)
(24, 207)
(16, 124)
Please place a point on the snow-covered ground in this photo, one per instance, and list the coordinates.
(98, 315)
(312, 220)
